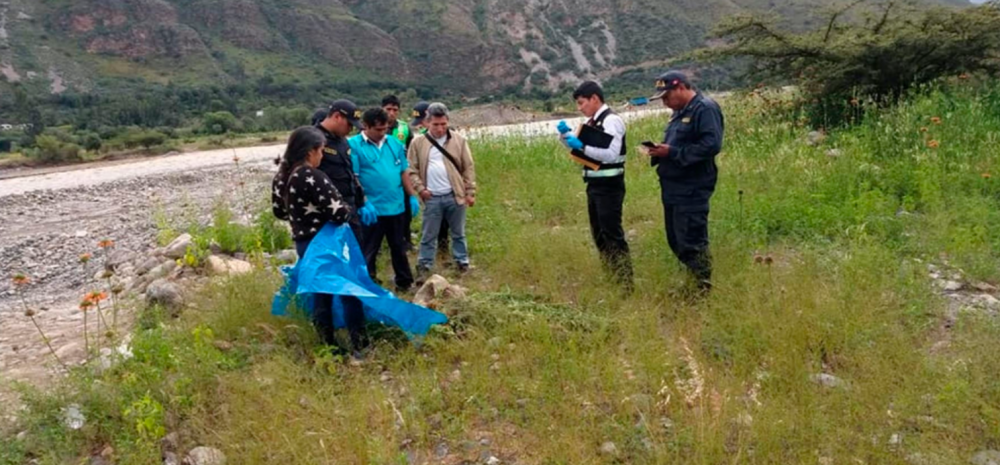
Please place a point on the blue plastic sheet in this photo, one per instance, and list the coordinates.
(335, 265)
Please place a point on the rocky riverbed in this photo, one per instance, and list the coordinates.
(46, 231)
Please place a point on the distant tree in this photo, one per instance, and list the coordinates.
(874, 52)
(219, 122)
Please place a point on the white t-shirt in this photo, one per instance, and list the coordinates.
(437, 173)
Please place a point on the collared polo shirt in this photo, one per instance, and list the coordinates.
(379, 168)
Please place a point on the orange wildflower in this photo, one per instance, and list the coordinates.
(854, 102)
(106, 243)
(963, 76)
(923, 129)
(936, 119)
(987, 176)
(96, 296)
(933, 144)
(84, 258)
(21, 280)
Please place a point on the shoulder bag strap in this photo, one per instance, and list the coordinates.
(443, 151)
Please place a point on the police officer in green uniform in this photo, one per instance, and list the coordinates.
(685, 163)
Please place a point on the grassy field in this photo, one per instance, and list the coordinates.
(546, 363)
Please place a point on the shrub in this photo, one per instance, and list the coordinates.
(878, 59)
(49, 149)
(91, 141)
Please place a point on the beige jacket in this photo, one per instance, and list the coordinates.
(463, 181)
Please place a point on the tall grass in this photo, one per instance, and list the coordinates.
(546, 360)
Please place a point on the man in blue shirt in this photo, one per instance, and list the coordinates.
(380, 163)
(685, 163)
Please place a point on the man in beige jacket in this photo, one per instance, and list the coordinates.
(444, 175)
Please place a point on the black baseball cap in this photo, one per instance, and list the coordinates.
(668, 81)
(349, 110)
(319, 115)
(419, 113)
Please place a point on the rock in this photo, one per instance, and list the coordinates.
(827, 380)
(919, 458)
(178, 248)
(165, 293)
(609, 448)
(441, 450)
(493, 461)
(72, 417)
(287, 256)
(147, 265)
(985, 287)
(170, 458)
(240, 256)
(162, 270)
(986, 301)
(117, 258)
(437, 287)
(815, 138)
(834, 153)
(986, 457)
(223, 266)
(70, 350)
(23, 435)
(170, 442)
(205, 456)
(80, 234)
(950, 286)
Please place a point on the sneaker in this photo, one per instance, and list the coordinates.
(463, 267)
(421, 275)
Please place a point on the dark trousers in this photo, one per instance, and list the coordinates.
(354, 311)
(687, 234)
(605, 197)
(395, 231)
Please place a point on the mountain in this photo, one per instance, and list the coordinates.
(469, 47)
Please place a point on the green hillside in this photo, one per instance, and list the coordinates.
(470, 47)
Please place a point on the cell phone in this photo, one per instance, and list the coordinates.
(649, 144)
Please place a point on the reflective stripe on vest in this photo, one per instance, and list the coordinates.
(604, 173)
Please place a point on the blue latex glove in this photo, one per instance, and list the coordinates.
(369, 215)
(574, 143)
(563, 128)
(414, 206)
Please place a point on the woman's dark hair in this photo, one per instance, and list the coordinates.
(375, 117)
(589, 89)
(302, 141)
